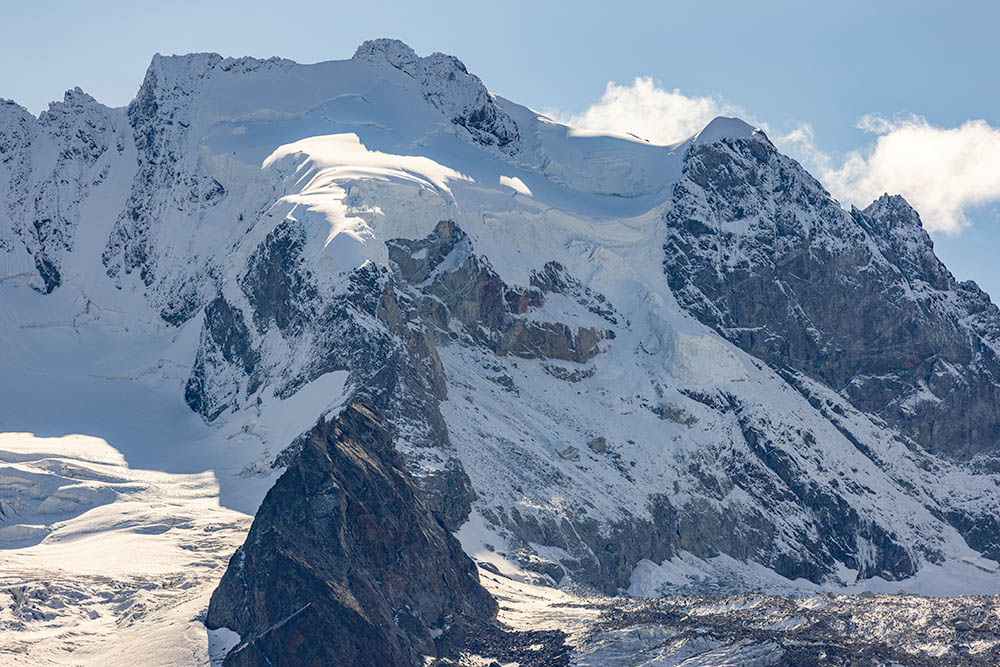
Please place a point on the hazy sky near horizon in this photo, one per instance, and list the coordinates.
(870, 96)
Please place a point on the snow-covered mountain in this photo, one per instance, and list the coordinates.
(599, 362)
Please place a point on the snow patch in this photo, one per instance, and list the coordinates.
(724, 128)
(220, 642)
(515, 184)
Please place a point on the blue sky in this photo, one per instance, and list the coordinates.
(917, 72)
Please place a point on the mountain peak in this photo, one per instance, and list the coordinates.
(893, 211)
(11, 109)
(723, 127)
(447, 84)
(391, 51)
(194, 63)
(179, 73)
(398, 54)
(888, 201)
(75, 107)
(72, 99)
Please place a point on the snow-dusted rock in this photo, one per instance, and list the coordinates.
(447, 85)
(48, 167)
(758, 249)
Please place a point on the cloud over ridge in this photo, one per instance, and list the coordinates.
(648, 111)
(942, 172)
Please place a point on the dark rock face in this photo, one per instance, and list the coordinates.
(837, 527)
(757, 249)
(276, 283)
(456, 284)
(345, 564)
(225, 342)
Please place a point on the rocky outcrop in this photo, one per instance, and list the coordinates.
(457, 285)
(759, 250)
(344, 564)
(226, 368)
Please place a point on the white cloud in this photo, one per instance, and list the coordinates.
(800, 143)
(942, 172)
(652, 113)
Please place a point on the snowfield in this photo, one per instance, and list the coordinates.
(106, 563)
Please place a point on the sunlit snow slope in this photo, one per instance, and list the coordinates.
(103, 562)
